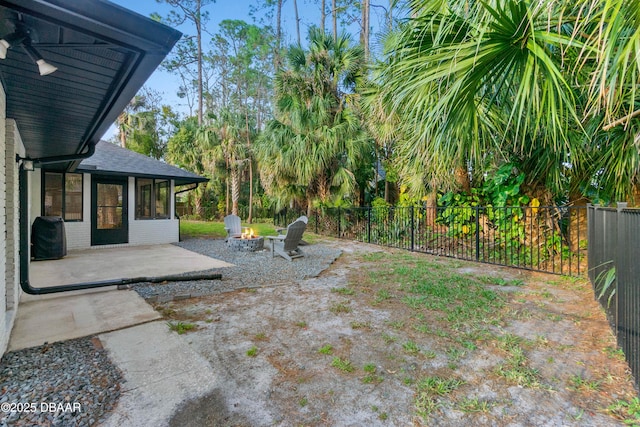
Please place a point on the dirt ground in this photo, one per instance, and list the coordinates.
(359, 345)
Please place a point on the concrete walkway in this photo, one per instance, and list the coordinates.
(73, 316)
(161, 371)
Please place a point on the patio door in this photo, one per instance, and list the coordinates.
(109, 219)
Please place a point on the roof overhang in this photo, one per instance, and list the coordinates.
(104, 54)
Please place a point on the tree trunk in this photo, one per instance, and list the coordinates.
(462, 178)
(235, 189)
(295, 7)
(227, 184)
(334, 17)
(199, 41)
(634, 200)
(364, 31)
(276, 57)
(577, 219)
(432, 209)
(323, 15)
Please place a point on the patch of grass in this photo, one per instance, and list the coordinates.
(516, 369)
(499, 281)
(626, 410)
(181, 327)
(360, 325)
(341, 307)
(383, 295)
(411, 347)
(614, 353)
(260, 336)
(369, 368)
(326, 349)
(253, 351)
(439, 386)
(343, 291)
(388, 339)
(579, 383)
(454, 354)
(303, 402)
(469, 404)
(301, 324)
(190, 228)
(396, 324)
(429, 389)
(430, 354)
(343, 364)
(383, 416)
(460, 297)
(168, 312)
(426, 404)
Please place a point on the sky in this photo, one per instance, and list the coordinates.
(166, 84)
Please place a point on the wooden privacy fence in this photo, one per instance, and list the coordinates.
(614, 271)
(551, 239)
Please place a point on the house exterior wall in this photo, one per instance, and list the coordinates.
(11, 144)
(151, 231)
(141, 232)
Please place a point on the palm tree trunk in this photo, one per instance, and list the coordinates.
(250, 218)
(462, 178)
(577, 219)
(432, 209)
(635, 195)
(323, 15)
(235, 189)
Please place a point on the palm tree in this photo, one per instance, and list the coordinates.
(226, 138)
(539, 82)
(465, 77)
(315, 142)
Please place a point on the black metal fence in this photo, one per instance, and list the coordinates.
(547, 238)
(614, 236)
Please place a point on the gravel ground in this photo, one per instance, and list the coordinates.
(77, 375)
(72, 383)
(250, 270)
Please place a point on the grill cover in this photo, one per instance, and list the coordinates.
(48, 239)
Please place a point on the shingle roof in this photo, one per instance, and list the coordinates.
(110, 159)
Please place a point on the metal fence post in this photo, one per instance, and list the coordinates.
(317, 221)
(369, 225)
(412, 229)
(338, 222)
(477, 209)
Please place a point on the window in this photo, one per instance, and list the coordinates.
(152, 198)
(62, 195)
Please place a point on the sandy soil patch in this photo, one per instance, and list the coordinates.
(386, 337)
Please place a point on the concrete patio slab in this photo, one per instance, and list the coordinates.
(161, 371)
(74, 316)
(118, 263)
(67, 315)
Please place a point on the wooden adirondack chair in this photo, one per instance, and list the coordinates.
(233, 226)
(283, 230)
(287, 245)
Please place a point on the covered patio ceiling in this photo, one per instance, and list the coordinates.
(104, 54)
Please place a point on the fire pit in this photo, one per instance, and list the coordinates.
(247, 242)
